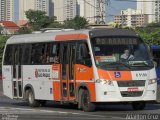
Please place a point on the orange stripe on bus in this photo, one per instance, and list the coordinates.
(71, 37)
(56, 91)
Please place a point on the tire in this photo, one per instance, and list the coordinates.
(80, 99)
(26, 95)
(86, 104)
(138, 105)
(31, 99)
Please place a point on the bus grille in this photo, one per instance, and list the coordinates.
(131, 94)
(132, 83)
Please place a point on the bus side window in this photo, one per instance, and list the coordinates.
(54, 56)
(27, 54)
(36, 54)
(83, 56)
(8, 55)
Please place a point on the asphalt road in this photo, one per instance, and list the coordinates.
(19, 110)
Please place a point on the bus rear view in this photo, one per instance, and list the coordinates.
(125, 70)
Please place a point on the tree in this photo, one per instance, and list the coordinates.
(150, 34)
(56, 25)
(76, 23)
(24, 30)
(80, 22)
(38, 19)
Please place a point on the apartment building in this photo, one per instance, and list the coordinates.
(25, 5)
(65, 9)
(151, 8)
(131, 18)
(2, 10)
(7, 10)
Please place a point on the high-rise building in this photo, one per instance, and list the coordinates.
(131, 18)
(42, 5)
(2, 10)
(10, 10)
(92, 10)
(7, 10)
(65, 9)
(151, 8)
(157, 11)
(51, 8)
(25, 5)
(87, 9)
(16, 10)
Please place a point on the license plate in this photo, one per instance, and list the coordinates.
(133, 89)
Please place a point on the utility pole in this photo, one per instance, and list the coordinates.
(102, 10)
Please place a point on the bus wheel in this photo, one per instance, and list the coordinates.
(86, 104)
(138, 105)
(31, 99)
(80, 98)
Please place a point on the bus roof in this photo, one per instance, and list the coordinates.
(41, 37)
(112, 32)
(68, 35)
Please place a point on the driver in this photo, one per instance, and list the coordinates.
(126, 55)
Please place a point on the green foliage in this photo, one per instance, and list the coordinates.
(151, 34)
(38, 19)
(3, 40)
(55, 25)
(154, 24)
(76, 23)
(24, 30)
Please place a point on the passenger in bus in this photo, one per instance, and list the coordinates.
(56, 59)
(126, 55)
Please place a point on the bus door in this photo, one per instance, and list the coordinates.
(67, 72)
(17, 72)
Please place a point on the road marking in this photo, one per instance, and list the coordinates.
(13, 110)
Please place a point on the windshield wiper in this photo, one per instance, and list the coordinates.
(139, 63)
(119, 63)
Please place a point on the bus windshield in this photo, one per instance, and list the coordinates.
(121, 53)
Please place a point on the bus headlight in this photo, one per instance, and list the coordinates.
(152, 81)
(105, 82)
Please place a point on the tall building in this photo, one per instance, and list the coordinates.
(10, 10)
(42, 5)
(51, 8)
(92, 10)
(151, 8)
(25, 5)
(7, 10)
(87, 9)
(157, 11)
(2, 9)
(131, 18)
(65, 9)
(16, 10)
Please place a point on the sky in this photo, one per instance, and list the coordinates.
(115, 7)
